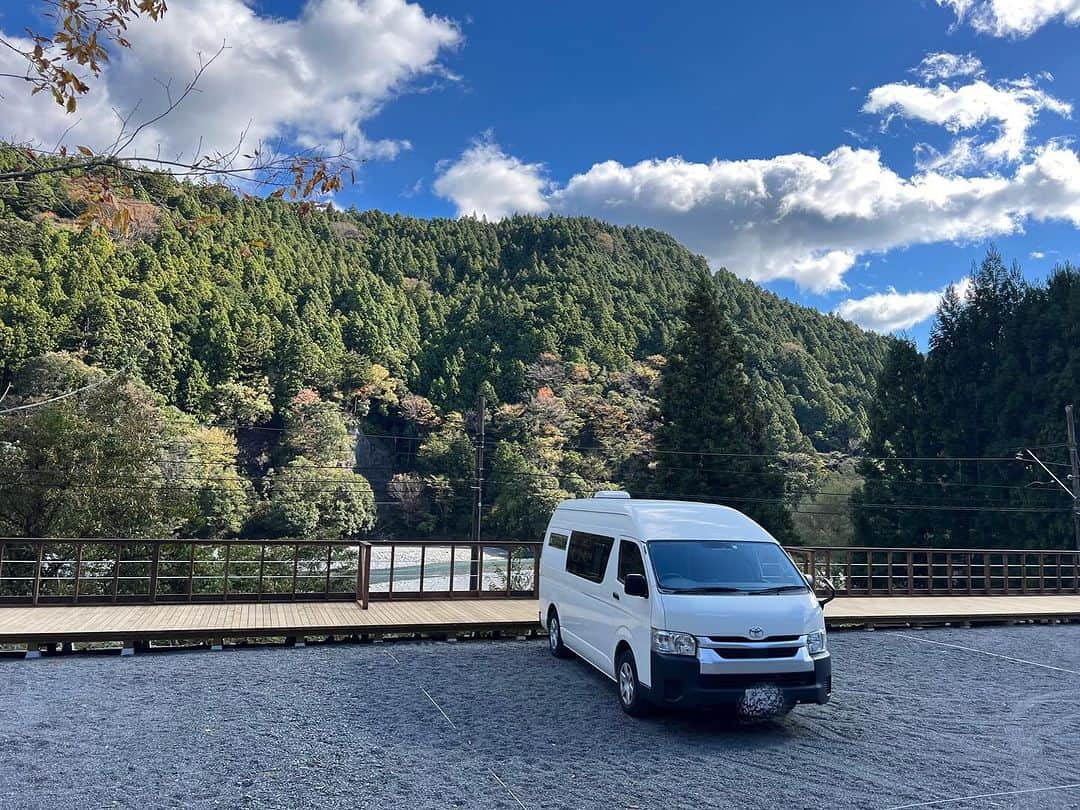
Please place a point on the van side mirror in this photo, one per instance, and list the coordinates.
(831, 595)
(635, 585)
(809, 580)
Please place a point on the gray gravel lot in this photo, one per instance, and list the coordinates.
(351, 726)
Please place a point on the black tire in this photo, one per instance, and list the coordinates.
(632, 695)
(555, 645)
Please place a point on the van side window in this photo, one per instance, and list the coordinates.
(588, 555)
(630, 561)
(557, 540)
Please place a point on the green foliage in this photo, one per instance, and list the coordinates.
(110, 461)
(239, 404)
(294, 329)
(221, 497)
(317, 431)
(312, 502)
(712, 427)
(525, 497)
(1002, 365)
(226, 293)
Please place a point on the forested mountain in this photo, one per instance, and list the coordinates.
(946, 427)
(231, 308)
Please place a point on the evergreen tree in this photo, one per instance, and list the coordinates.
(1004, 360)
(712, 430)
(898, 428)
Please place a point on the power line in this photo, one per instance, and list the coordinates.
(422, 482)
(334, 486)
(62, 396)
(652, 451)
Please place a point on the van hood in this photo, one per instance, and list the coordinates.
(734, 614)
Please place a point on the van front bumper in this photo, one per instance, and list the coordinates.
(678, 681)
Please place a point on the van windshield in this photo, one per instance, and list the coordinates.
(724, 566)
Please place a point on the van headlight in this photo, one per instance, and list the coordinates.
(664, 641)
(815, 642)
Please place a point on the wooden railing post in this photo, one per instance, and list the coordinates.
(228, 554)
(155, 560)
(363, 573)
(367, 573)
(536, 571)
(37, 571)
(262, 569)
(116, 574)
(191, 574)
(295, 568)
(78, 570)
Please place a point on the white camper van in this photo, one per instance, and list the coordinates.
(682, 604)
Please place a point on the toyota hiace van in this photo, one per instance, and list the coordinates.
(682, 604)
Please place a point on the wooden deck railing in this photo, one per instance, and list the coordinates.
(126, 571)
(862, 571)
(151, 571)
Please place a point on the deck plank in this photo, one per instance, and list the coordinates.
(198, 620)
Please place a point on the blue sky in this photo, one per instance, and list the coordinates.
(795, 143)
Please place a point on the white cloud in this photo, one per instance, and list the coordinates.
(310, 81)
(1011, 106)
(892, 311)
(943, 65)
(1037, 254)
(485, 181)
(1013, 18)
(795, 216)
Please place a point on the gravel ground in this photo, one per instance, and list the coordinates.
(353, 726)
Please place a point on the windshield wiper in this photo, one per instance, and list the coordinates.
(779, 589)
(709, 589)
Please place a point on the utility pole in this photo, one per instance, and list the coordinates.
(478, 501)
(1074, 459)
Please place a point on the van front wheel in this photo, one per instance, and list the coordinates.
(558, 649)
(631, 695)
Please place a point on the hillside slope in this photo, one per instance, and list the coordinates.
(219, 291)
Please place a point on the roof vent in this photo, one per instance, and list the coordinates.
(612, 493)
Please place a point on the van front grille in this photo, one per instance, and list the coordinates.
(739, 681)
(762, 652)
(743, 639)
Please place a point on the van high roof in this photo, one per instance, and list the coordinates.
(664, 520)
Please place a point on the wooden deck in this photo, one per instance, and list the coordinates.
(899, 610)
(123, 622)
(144, 622)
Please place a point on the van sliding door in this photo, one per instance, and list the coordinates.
(587, 560)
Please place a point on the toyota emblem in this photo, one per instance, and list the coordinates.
(756, 633)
